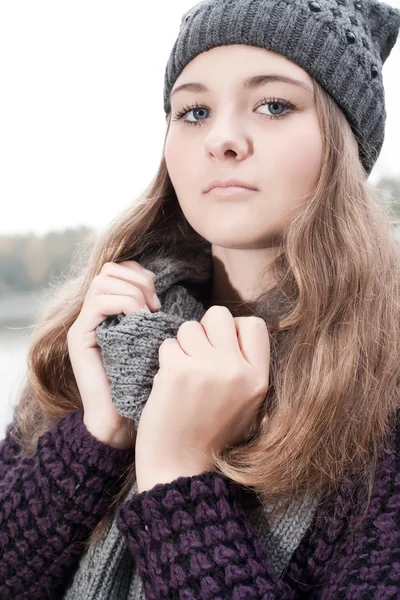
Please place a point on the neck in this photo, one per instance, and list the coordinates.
(240, 275)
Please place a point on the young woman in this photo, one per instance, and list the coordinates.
(211, 407)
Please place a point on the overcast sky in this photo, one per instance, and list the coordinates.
(81, 109)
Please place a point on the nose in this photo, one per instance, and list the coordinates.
(228, 139)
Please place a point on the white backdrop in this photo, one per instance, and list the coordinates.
(81, 109)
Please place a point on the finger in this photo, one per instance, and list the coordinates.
(193, 339)
(104, 306)
(254, 343)
(220, 328)
(135, 264)
(135, 275)
(102, 284)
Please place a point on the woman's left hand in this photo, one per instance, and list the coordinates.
(211, 382)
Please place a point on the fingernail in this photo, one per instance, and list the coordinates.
(145, 309)
(156, 301)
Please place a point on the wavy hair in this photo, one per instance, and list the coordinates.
(332, 316)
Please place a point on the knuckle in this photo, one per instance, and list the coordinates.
(219, 308)
(186, 325)
(96, 303)
(131, 263)
(164, 352)
(96, 281)
(129, 302)
(215, 312)
(256, 321)
(107, 267)
(260, 386)
(138, 295)
(165, 343)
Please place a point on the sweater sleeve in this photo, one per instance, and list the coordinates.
(192, 540)
(49, 504)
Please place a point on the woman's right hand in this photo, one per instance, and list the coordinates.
(119, 288)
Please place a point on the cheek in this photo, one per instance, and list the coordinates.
(176, 148)
(182, 164)
(301, 154)
(172, 156)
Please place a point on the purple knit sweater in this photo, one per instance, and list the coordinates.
(191, 538)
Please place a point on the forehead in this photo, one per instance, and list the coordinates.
(233, 63)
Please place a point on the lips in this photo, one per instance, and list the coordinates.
(229, 183)
(230, 191)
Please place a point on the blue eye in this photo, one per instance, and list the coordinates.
(275, 102)
(187, 109)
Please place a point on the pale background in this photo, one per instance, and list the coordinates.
(81, 108)
(82, 121)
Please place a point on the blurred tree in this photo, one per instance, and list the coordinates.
(29, 262)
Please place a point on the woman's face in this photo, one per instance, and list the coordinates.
(265, 135)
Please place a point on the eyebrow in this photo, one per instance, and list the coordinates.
(247, 83)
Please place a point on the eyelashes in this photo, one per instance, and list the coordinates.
(179, 116)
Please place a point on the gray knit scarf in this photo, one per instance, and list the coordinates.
(129, 346)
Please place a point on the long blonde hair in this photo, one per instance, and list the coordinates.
(333, 321)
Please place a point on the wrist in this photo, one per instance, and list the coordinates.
(154, 477)
(120, 437)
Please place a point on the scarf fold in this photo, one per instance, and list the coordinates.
(129, 346)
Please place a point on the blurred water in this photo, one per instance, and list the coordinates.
(17, 314)
(13, 352)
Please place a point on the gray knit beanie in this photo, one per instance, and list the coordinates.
(342, 44)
